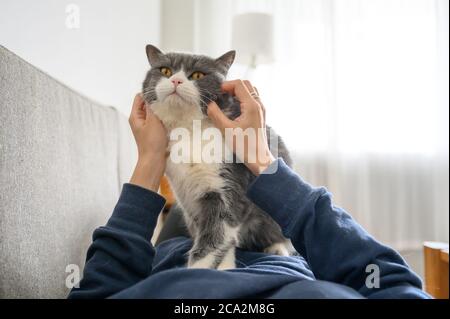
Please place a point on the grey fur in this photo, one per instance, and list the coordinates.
(207, 224)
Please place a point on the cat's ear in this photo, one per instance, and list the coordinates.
(227, 59)
(153, 54)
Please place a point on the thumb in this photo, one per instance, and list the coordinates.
(218, 117)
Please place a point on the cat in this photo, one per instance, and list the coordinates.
(218, 215)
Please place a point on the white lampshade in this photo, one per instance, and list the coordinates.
(252, 38)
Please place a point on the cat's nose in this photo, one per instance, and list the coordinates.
(176, 82)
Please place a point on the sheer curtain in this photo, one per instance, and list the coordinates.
(359, 91)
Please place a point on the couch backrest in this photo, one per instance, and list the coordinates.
(63, 159)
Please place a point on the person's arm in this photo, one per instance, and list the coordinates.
(121, 253)
(335, 246)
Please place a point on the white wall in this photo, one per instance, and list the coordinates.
(104, 59)
(177, 25)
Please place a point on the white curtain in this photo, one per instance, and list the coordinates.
(359, 91)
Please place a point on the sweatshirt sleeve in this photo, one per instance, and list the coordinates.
(335, 246)
(121, 253)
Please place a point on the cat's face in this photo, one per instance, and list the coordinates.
(184, 79)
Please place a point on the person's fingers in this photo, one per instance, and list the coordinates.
(258, 99)
(253, 91)
(255, 96)
(153, 120)
(138, 108)
(218, 117)
(138, 103)
(149, 115)
(152, 117)
(249, 86)
(237, 88)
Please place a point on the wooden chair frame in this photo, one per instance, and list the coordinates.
(436, 269)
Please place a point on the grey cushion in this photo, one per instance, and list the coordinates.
(63, 159)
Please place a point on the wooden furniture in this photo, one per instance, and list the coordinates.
(166, 192)
(436, 269)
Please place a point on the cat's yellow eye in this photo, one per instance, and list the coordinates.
(166, 71)
(197, 75)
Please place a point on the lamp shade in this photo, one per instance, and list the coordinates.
(252, 38)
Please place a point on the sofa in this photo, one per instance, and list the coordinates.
(63, 159)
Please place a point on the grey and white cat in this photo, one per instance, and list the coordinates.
(217, 213)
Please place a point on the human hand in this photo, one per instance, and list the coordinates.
(151, 140)
(253, 152)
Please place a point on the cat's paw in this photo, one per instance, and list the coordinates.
(226, 264)
(228, 261)
(277, 249)
(206, 262)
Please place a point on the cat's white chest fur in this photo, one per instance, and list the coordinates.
(189, 179)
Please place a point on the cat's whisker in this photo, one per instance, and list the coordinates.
(202, 95)
(203, 98)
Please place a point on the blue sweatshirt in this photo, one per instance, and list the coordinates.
(338, 258)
